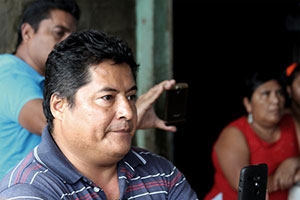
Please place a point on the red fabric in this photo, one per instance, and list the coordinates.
(260, 152)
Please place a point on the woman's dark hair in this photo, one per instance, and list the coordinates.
(67, 66)
(259, 77)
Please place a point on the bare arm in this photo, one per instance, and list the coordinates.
(32, 117)
(232, 153)
(283, 177)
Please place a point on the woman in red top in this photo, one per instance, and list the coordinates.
(292, 80)
(267, 135)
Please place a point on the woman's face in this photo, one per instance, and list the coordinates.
(295, 90)
(267, 103)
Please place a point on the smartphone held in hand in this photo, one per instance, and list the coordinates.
(176, 104)
(253, 182)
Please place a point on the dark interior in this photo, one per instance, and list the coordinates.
(216, 43)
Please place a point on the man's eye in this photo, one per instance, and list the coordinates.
(59, 34)
(132, 97)
(107, 97)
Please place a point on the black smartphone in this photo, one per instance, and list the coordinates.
(253, 182)
(176, 104)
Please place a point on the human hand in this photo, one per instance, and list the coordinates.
(147, 117)
(297, 176)
(284, 174)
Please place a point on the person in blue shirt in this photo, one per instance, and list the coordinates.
(86, 150)
(44, 23)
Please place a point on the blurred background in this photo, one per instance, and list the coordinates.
(216, 44)
(209, 44)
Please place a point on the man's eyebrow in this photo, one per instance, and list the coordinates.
(133, 88)
(63, 28)
(115, 90)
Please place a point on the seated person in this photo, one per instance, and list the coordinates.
(86, 150)
(266, 135)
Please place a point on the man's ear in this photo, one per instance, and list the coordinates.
(27, 31)
(58, 105)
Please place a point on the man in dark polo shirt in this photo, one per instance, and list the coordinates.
(43, 24)
(86, 150)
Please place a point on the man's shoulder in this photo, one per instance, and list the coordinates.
(11, 64)
(28, 178)
(150, 158)
(9, 59)
(145, 153)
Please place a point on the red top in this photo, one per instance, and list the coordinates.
(260, 152)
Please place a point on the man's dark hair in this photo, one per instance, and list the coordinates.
(39, 10)
(67, 66)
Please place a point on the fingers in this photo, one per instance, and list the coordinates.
(284, 180)
(147, 117)
(168, 84)
(153, 93)
(156, 91)
(161, 125)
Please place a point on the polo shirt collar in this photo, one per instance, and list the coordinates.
(51, 156)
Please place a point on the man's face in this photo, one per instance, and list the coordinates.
(99, 128)
(50, 32)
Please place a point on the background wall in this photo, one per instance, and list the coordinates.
(113, 16)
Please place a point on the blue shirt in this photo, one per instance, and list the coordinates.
(47, 174)
(19, 83)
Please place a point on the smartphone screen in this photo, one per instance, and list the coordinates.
(176, 104)
(253, 182)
